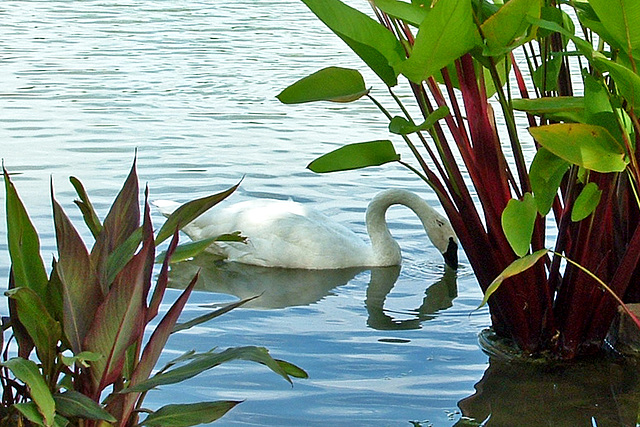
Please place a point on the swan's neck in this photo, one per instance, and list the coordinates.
(386, 250)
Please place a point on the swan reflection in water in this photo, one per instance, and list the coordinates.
(279, 288)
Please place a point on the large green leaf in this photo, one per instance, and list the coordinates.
(202, 362)
(24, 244)
(589, 146)
(621, 19)
(627, 81)
(506, 28)
(356, 156)
(190, 211)
(447, 33)
(81, 291)
(30, 411)
(586, 202)
(28, 372)
(371, 41)
(515, 268)
(546, 174)
(77, 405)
(518, 220)
(188, 414)
(329, 84)
(42, 328)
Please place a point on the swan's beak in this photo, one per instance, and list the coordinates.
(451, 254)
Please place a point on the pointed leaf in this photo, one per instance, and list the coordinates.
(518, 220)
(329, 84)
(24, 244)
(205, 361)
(515, 268)
(589, 146)
(356, 156)
(371, 41)
(447, 33)
(76, 405)
(506, 28)
(627, 81)
(586, 202)
(546, 75)
(401, 126)
(410, 13)
(545, 174)
(559, 108)
(86, 207)
(191, 249)
(209, 316)
(190, 211)
(42, 328)
(30, 411)
(620, 18)
(189, 414)
(28, 372)
(81, 292)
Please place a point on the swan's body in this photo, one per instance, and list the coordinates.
(289, 235)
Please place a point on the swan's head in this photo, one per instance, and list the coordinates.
(443, 238)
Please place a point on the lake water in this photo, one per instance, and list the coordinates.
(191, 85)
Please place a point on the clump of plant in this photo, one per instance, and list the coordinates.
(584, 177)
(80, 355)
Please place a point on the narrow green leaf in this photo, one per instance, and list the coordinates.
(586, 202)
(411, 13)
(401, 126)
(189, 414)
(627, 81)
(81, 291)
(371, 41)
(329, 84)
(24, 244)
(545, 174)
(42, 328)
(518, 220)
(28, 372)
(86, 207)
(589, 146)
(76, 405)
(122, 254)
(30, 411)
(205, 361)
(515, 268)
(447, 33)
(355, 156)
(291, 369)
(190, 211)
(559, 108)
(191, 249)
(209, 316)
(507, 28)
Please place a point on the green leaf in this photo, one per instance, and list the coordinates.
(627, 81)
(589, 146)
(191, 249)
(42, 328)
(81, 359)
(558, 108)
(410, 13)
(506, 29)
(546, 174)
(81, 291)
(515, 268)
(30, 411)
(620, 18)
(24, 244)
(546, 75)
(447, 33)
(586, 202)
(190, 211)
(401, 126)
(209, 316)
(28, 372)
(370, 40)
(189, 414)
(76, 405)
(291, 369)
(518, 220)
(122, 254)
(205, 361)
(356, 156)
(329, 84)
(86, 207)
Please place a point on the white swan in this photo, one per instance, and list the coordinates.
(289, 235)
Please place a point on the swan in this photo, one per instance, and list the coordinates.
(287, 234)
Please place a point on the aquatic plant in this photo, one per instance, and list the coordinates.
(78, 354)
(456, 55)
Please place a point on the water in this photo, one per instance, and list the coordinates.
(191, 85)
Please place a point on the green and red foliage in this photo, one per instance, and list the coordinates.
(456, 56)
(86, 320)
